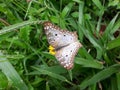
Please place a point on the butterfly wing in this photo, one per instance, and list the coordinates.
(66, 55)
(58, 37)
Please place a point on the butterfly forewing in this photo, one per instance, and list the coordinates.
(66, 55)
(58, 37)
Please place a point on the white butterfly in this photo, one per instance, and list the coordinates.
(66, 44)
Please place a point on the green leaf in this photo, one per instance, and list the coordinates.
(16, 42)
(113, 3)
(100, 76)
(47, 54)
(47, 86)
(12, 28)
(24, 33)
(4, 82)
(75, 14)
(11, 74)
(109, 28)
(50, 73)
(118, 80)
(114, 43)
(93, 40)
(115, 27)
(89, 63)
(98, 4)
(83, 52)
(81, 18)
(67, 9)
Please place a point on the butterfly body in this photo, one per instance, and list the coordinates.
(66, 44)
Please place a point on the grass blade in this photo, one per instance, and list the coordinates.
(118, 80)
(101, 76)
(11, 73)
(93, 40)
(17, 26)
(109, 28)
(50, 73)
(81, 7)
(67, 9)
(114, 43)
(88, 63)
(97, 3)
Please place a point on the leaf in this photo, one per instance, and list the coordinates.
(89, 63)
(118, 80)
(24, 33)
(109, 28)
(67, 9)
(47, 54)
(47, 86)
(93, 40)
(100, 76)
(98, 4)
(12, 28)
(4, 82)
(80, 20)
(113, 44)
(113, 3)
(56, 69)
(16, 43)
(115, 27)
(83, 52)
(81, 7)
(11, 73)
(50, 73)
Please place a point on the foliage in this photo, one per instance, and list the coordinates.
(25, 63)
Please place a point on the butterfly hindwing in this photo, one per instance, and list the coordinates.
(66, 55)
(58, 37)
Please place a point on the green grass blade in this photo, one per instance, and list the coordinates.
(12, 28)
(93, 40)
(67, 9)
(116, 27)
(80, 19)
(88, 63)
(109, 28)
(113, 83)
(83, 52)
(4, 82)
(81, 7)
(114, 43)
(97, 3)
(47, 86)
(98, 25)
(11, 74)
(50, 73)
(47, 54)
(118, 80)
(101, 76)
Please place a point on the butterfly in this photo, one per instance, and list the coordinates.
(66, 44)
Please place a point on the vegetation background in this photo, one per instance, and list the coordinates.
(25, 63)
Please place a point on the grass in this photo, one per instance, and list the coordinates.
(25, 63)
